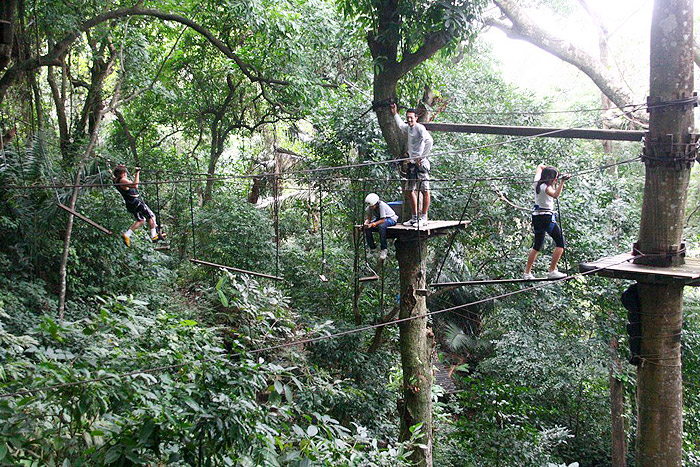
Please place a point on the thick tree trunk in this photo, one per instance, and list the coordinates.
(384, 92)
(8, 10)
(659, 379)
(416, 345)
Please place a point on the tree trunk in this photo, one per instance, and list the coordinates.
(659, 379)
(60, 107)
(415, 341)
(617, 409)
(8, 10)
(385, 91)
(63, 268)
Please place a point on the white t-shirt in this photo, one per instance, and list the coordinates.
(542, 199)
(419, 140)
(384, 211)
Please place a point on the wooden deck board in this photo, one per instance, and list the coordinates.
(616, 267)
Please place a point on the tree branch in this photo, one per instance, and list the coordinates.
(53, 57)
(522, 27)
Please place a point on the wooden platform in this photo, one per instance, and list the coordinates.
(430, 229)
(616, 267)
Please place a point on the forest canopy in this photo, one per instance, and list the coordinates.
(243, 319)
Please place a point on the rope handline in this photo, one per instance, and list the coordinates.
(313, 339)
(454, 234)
(194, 238)
(561, 227)
(525, 179)
(104, 197)
(50, 173)
(320, 214)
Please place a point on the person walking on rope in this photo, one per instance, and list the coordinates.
(135, 204)
(548, 186)
(418, 172)
(379, 217)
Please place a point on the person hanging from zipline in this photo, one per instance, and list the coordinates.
(135, 204)
(418, 171)
(548, 187)
(379, 217)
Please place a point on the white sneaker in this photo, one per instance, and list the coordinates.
(382, 254)
(529, 276)
(555, 275)
(423, 219)
(411, 221)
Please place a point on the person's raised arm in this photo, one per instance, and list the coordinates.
(538, 172)
(397, 118)
(137, 177)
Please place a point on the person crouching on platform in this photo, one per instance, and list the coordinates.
(379, 217)
(548, 186)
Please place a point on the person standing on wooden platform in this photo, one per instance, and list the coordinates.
(379, 217)
(135, 204)
(418, 173)
(548, 186)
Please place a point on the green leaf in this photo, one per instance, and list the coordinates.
(146, 431)
(279, 387)
(3, 450)
(113, 454)
(222, 297)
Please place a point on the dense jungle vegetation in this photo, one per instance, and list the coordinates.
(135, 356)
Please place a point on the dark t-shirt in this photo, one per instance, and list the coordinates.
(132, 198)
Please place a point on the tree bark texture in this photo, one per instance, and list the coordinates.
(617, 410)
(415, 341)
(659, 379)
(668, 160)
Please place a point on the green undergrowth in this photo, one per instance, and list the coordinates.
(73, 392)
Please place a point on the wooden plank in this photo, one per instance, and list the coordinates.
(229, 268)
(622, 267)
(85, 219)
(431, 228)
(544, 132)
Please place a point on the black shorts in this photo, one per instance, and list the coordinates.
(546, 224)
(141, 212)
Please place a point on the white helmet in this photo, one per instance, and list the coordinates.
(372, 199)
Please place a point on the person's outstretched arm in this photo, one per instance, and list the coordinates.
(399, 121)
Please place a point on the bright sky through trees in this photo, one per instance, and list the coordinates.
(628, 22)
